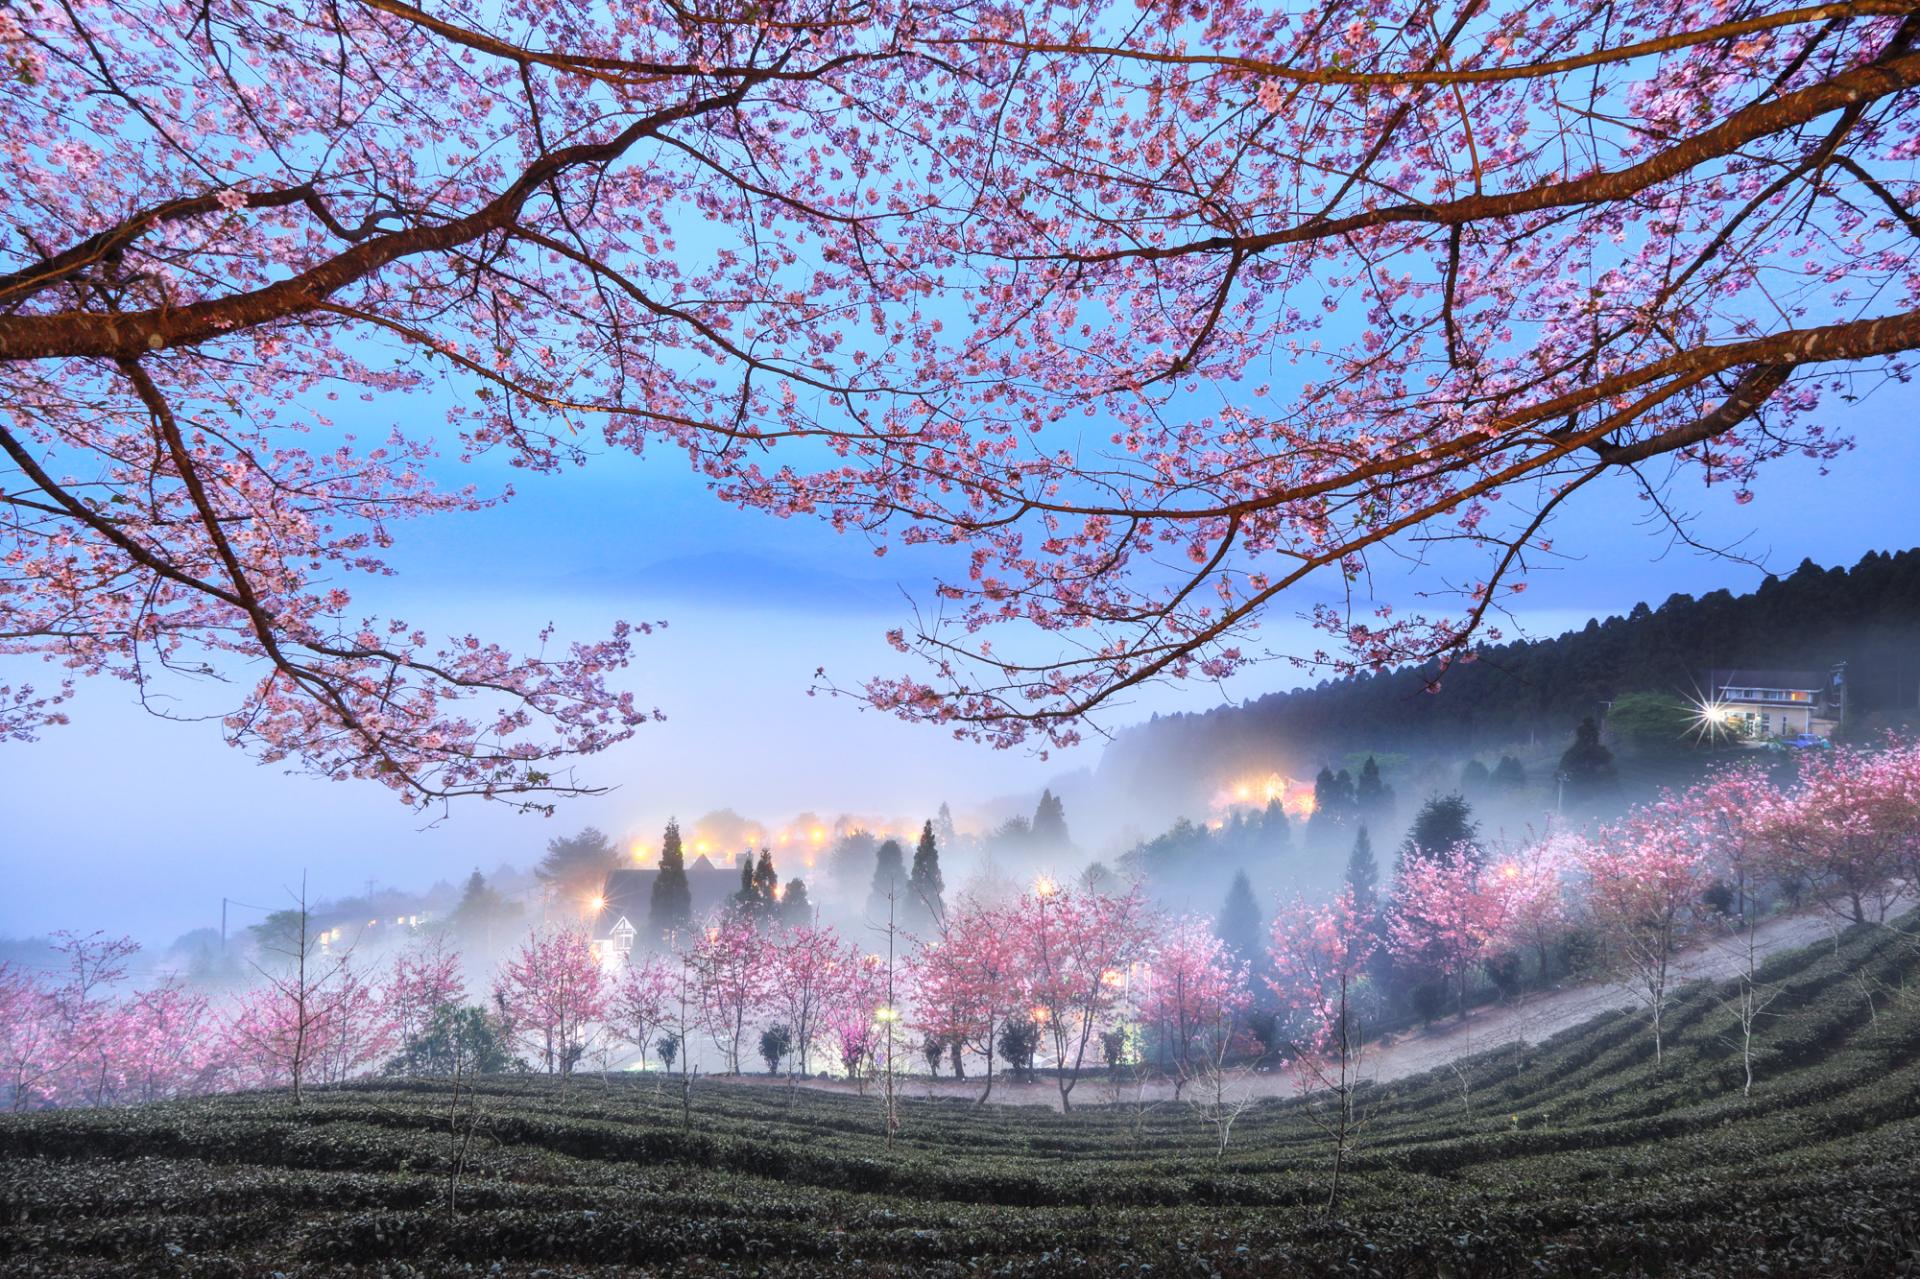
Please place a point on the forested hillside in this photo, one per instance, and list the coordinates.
(1867, 616)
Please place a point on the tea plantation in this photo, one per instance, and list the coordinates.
(1572, 1157)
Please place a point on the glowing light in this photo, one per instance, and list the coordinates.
(884, 1014)
(596, 903)
(1040, 1015)
(700, 845)
(779, 891)
(816, 834)
(1242, 792)
(1044, 887)
(641, 852)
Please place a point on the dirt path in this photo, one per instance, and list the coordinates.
(1536, 1018)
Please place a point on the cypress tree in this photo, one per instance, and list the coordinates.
(889, 879)
(1363, 876)
(670, 908)
(1238, 924)
(926, 883)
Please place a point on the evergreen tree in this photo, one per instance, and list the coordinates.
(795, 910)
(1587, 766)
(889, 880)
(943, 828)
(1050, 822)
(481, 910)
(1474, 778)
(577, 865)
(1443, 824)
(925, 884)
(670, 907)
(1363, 876)
(766, 883)
(1509, 774)
(1372, 797)
(1238, 925)
(1276, 832)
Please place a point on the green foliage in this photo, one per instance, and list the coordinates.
(670, 905)
(456, 1042)
(1652, 723)
(776, 1042)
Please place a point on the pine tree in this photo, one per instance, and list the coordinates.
(1372, 797)
(1276, 831)
(1238, 924)
(925, 884)
(1050, 822)
(795, 910)
(889, 879)
(670, 908)
(766, 883)
(943, 828)
(1509, 774)
(1443, 824)
(1363, 876)
(1474, 778)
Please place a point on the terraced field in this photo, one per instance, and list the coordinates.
(1575, 1156)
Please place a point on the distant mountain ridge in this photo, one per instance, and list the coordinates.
(1867, 616)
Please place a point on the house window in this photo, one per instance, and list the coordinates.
(623, 937)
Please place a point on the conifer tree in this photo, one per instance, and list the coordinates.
(796, 911)
(1050, 822)
(1238, 924)
(889, 879)
(926, 884)
(1363, 876)
(670, 908)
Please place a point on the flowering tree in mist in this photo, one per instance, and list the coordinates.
(1645, 878)
(420, 979)
(1071, 291)
(552, 995)
(1195, 993)
(640, 1004)
(1077, 947)
(1319, 953)
(729, 963)
(1445, 920)
(1852, 829)
(969, 980)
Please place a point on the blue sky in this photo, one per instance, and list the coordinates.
(125, 822)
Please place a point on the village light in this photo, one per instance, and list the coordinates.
(885, 1015)
(1039, 1015)
(1044, 887)
(596, 903)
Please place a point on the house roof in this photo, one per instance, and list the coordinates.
(628, 893)
(1805, 681)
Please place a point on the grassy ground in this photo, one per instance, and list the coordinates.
(1575, 1156)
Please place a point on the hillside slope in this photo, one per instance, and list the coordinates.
(1572, 1156)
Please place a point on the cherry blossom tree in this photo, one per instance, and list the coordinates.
(969, 979)
(420, 980)
(732, 975)
(1445, 920)
(1078, 945)
(809, 965)
(1851, 829)
(553, 994)
(640, 1005)
(1531, 889)
(1644, 881)
(1272, 293)
(1319, 954)
(1194, 993)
